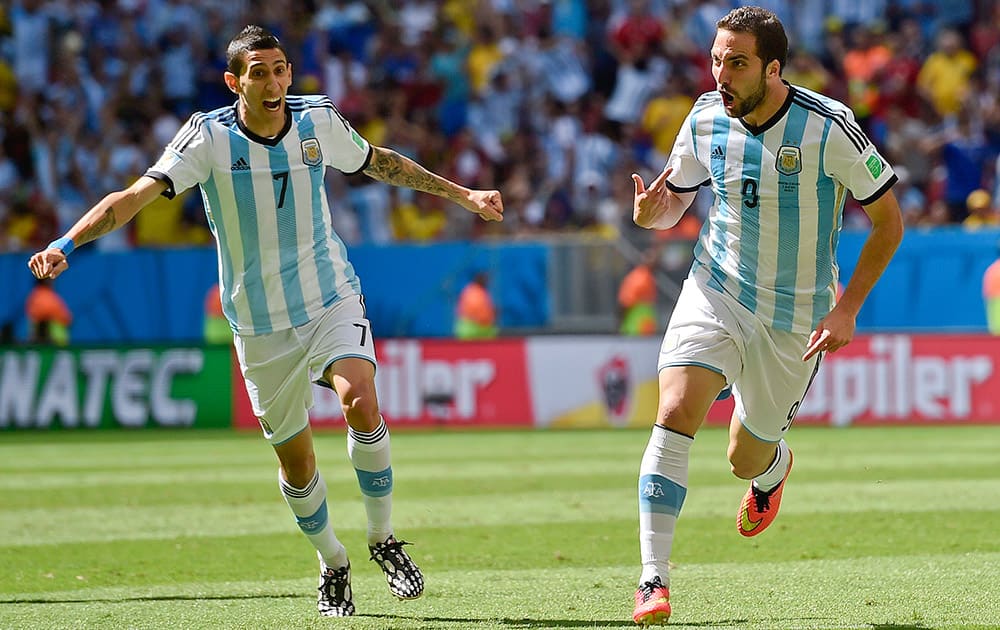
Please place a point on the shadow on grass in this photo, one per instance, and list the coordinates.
(143, 598)
(787, 622)
(549, 623)
(503, 621)
(512, 623)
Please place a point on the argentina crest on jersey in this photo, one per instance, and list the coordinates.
(312, 155)
(788, 160)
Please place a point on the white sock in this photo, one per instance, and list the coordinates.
(663, 476)
(372, 459)
(309, 507)
(771, 477)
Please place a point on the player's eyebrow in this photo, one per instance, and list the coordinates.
(735, 56)
(255, 64)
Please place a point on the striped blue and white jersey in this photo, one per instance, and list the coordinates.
(771, 236)
(280, 262)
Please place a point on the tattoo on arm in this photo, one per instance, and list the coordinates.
(100, 227)
(392, 168)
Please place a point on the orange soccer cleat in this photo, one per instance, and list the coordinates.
(758, 509)
(652, 603)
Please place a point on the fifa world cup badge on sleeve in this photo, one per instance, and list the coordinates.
(875, 166)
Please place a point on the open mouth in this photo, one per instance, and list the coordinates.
(727, 98)
(272, 106)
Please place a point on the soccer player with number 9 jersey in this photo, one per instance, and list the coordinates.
(759, 307)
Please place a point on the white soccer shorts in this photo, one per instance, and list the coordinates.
(763, 365)
(280, 367)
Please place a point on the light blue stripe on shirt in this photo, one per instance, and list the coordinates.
(699, 247)
(253, 276)
(703, 234)
(286, 229)
(750, 222)
(210, 190)
(789, 215)
(826, 224)
(717, 254)
(326, 275)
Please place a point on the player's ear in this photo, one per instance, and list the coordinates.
(232, 82)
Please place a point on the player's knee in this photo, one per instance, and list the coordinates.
(360, 405)
(299, 471)
(676, 416)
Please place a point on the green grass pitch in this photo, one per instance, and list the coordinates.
(880, 528)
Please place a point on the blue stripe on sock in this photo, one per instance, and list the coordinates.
(375, 484)
(315, 523)
(661, 495)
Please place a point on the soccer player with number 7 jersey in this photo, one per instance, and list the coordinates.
(759, 307)
(291, 297)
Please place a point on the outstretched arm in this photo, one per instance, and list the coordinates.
(110, 213)
(392, 168)
(837, 329)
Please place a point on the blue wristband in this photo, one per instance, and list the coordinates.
(63, 244)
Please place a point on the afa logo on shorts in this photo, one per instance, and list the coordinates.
(311, 153)
(789, 160)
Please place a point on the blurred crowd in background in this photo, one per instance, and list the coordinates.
(553, 102)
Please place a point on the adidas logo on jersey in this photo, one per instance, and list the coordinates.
(718, 153)
(241, 165)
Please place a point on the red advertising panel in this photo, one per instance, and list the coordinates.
(610, 381)
(884, 379)
(438, 382)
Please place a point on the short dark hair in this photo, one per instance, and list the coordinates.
(772, 43)
(252, 37)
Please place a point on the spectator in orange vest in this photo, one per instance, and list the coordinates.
(476, 315)
(637, 298)
(48, 316)
(991, 297)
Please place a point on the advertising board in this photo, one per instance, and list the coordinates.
(131, 387)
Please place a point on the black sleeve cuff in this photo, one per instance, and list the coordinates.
(881, 191)
(368, 160)
(679, 189)
(168, 192)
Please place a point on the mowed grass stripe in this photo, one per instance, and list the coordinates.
(69, 452)
(794, 595)
(850, 465)
(172, 457)
(506, 504)
(72, 450)
(847, 466)
(267, 473)
(593, 544)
